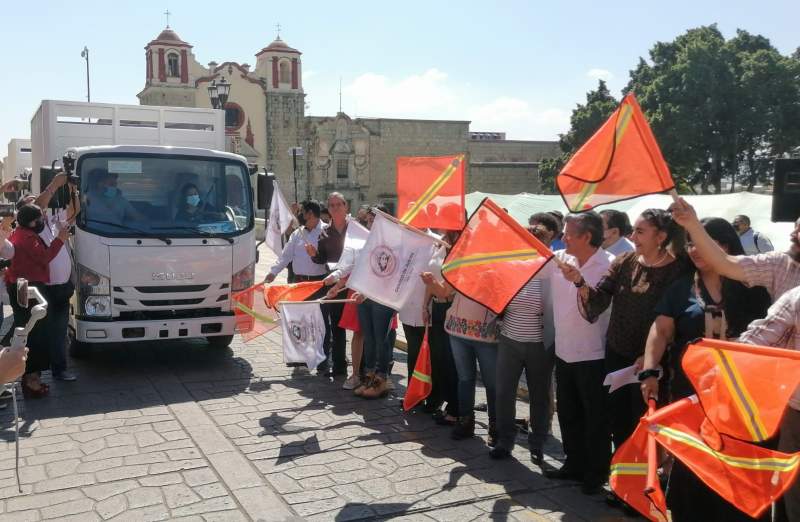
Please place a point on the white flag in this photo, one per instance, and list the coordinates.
(354, 240)
(303, 333)
(387, 269)
(280, 217)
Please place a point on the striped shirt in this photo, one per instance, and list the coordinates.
(775, 271)
(523, 319)
(780, 329)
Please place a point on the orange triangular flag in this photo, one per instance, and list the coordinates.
(253, 317)
(430, 191)
(746, 475)
(274, 294)
(742, 388)
(628, 477)
(420, 384)
(620, 161)
(493, 258)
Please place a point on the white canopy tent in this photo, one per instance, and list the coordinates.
(757, 207)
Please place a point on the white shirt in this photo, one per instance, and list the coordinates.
(61, 265)
(748, 240)
(295, 253)
(576, 338)
(622, 245)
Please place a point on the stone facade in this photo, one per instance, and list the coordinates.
(266, 119)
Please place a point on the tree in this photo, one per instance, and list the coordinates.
(586, 119)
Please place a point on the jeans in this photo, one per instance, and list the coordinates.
(512, 358)
(57, 318)
(466, 352)
(376, 322)
(335, 344)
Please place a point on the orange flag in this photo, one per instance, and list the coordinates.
(748, 476)
(430, 191)
(274, 294)
(628, 478)
(620, 161)
(493, 258)
(253, 317)
(742, 388)
(420, 384)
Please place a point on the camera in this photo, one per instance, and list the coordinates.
(7, 209)
(68, 162)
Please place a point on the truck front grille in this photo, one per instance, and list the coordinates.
(157, 315)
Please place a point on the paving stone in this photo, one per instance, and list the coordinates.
(62, 468)
(234, 470)
(30, 474)
(111, 507)
(104, 491)
(320, 506)
(108, 453)
(146, 496)
(43, 500)
(164, 479)
(87, 436)
(146, 458)
(226, 516)
(177, 465)
(211, 490)
(199, 477)
(179, 495)
(122, 472)
(310, 495)
(70, 481)
(284, 484)
(148, 438)
(147, 514)
(68, 508)
(205, 506)
(99, 465)
(120, 439)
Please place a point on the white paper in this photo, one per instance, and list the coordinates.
(623, 377)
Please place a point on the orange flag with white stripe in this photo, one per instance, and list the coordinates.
(420, 385)
(748, 476)
(252, 315)
(620, 161)
(743, 388)
(274, 294)
(430, 191)
(628, 477)
(493, 258)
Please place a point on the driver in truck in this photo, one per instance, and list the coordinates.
(107, 202)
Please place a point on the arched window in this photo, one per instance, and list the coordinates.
(172, 65)
(285, 76)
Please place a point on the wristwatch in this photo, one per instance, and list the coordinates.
(646, 374)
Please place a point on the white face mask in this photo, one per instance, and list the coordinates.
(193, 200)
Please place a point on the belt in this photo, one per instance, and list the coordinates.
(298, 277)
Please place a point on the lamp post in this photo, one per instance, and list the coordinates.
(85, 54)
(295, 152)
(218, 93)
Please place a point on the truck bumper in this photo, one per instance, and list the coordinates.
(125, 331)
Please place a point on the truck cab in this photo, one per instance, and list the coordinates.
(164, 237)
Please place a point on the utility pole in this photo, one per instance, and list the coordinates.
(85, 54)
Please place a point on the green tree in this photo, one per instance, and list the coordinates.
(587, 118)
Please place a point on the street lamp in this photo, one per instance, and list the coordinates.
(85, 54)
(212, 93)
(218, 92)
(295, 152)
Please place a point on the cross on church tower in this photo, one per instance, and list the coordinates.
(278, 30)
(167, 13)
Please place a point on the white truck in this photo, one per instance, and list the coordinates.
(165, 234)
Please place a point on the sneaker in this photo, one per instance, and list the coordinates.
(366, 382)
(377, 388)
(351, 382)
(66, 375)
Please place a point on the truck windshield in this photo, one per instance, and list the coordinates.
(175, 196)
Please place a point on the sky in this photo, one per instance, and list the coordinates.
(518, 67)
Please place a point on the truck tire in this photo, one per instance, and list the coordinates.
(77, 349)
(220, 342)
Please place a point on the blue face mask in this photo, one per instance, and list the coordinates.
(110, 192)
(193, 200)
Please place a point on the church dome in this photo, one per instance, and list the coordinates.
(169, 37)
(278, 46)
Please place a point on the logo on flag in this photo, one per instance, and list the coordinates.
(383, 261)
(303, 333)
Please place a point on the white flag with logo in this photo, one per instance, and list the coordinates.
(280, 217)
(303, 333)
(354, 240)
(387, 269)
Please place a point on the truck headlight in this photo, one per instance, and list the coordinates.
(92, 283)
(98, 306)
(244, 278)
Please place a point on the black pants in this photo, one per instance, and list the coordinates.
(512, 358)
(581, 399)
(414, 335)
(38, 342)
(443, 368)
(335, 344)
(58, 297)
(625, 405)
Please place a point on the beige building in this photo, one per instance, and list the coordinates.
(265, 118)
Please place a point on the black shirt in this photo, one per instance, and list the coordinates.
(330, 246)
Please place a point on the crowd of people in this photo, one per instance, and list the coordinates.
(622, 295)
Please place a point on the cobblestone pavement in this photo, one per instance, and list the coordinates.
(178, 430)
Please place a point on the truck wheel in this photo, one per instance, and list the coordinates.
(220, 342)
(77, 349)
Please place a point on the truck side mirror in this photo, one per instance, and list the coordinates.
(264, 188)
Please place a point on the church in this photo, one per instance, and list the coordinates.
(265, 119)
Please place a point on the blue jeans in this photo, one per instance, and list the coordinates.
(466, 353)
(376, 321)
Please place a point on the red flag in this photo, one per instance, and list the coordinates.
(420, 384)
(430, 191)
(253, 317)
(742, 388)
(493, 258)
(274, 294)
(620, 161)
(628, 478)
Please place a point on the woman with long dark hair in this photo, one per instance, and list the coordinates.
(701, 304)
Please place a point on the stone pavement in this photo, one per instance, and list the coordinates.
(180, 431)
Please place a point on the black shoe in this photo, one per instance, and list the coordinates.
(591, 488)
(563, 473)
(491, 440)
(499, 453)
(537, 457)
(464, 428)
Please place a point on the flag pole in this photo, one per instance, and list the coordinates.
(320, 301)
(652, 453)
(753, 349)
(409, 227)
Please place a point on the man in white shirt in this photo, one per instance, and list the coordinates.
(295, 251)
(753, 242)
(616, 229)
(580, 353)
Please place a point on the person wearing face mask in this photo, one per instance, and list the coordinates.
(191, 206)
(31, 261)
(105, 202)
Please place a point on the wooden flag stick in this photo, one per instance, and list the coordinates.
(652, 453)
(320, 301)
(409, 227)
